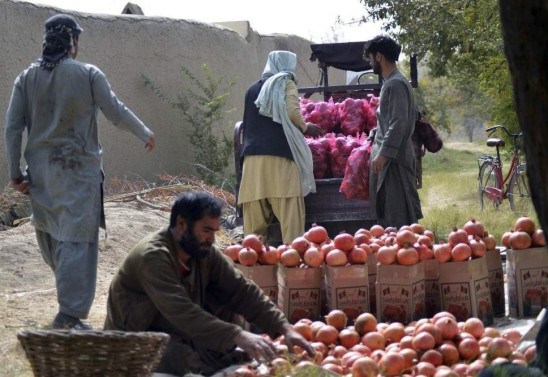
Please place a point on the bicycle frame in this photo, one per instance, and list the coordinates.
(496, 194)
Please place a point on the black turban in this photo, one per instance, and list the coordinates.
(59, 31)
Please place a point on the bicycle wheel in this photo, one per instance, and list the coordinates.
(519, 194)
(487, 178)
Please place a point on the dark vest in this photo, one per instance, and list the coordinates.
(261, 135)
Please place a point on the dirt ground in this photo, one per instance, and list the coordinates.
(27, 287)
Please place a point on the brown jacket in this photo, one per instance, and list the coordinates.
(149, 293)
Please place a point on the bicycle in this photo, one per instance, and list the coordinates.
(514, 186)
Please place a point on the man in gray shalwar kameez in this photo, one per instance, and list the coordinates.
(56, 100)
(393, 192)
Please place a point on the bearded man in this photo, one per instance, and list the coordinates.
(175, 281)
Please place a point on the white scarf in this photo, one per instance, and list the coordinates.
(271, 103)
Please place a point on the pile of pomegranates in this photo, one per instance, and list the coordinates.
(437, 346)
(524, 235)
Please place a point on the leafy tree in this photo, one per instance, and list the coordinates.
(461, 40)
(203, 107)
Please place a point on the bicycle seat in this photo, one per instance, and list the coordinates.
(494, 142)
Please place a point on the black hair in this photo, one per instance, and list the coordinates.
(194, 205)
(384, 45)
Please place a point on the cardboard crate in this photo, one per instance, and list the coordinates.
(372, 275)
(264, 276)
(496, 282)
(400, 293)
(348, 289)
(432, 295)
(299, 291)
(527, 278)
(465, 290)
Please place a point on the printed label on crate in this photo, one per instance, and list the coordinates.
(352, 300)
(496, 284)
(457, 300)
(303, 303)
(432, 298)
(483, 300)
(271, 292)
(534, 284)
(418, 300)
(395, 303)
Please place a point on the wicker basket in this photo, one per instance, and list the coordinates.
(59, 353)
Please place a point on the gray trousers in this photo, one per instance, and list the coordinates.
(75, 267)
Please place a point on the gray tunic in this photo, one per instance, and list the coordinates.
(393, 192)
(59, 110)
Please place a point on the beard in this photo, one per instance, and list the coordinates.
(192, 246)
(376, 68)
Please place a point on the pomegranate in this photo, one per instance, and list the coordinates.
(442, 252)
(387, 254)
(449, 353)
(374, 341)
(425, 253)
(407, 256)
(461, 252)
(525, 224)
(473, 228)
(393, 333)
(361, 238)
(280, 367)
(313, 257)
(357, 256)
(327, 335)
(405, 238)
(478, 247)
(232, 252)
(247, 257)
(504, 238)
(253, 242)
(304, 329)
(512, 335)
(290, 258)
(448, 327)
(417, 228)
(425, 240)
(326, 248)
(538, 239)
(364, 350)
(457, 236)
(364, 367)
(337, 369)
(348, 338)
(336, 258)
(431, 329)
(423, 341)
(474, 326)
(344, 242)
(336, 318)
(269, 256)
(430, 234)
(300, 244)
(530, 353)
(469, 349)
(519, 240)
(499, 347)
(317, 234)
(425, 369)
(391, 364)
(490, 241)
(433, 357)
(377, 230)
(366, 322)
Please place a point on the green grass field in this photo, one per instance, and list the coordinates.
(449, 195)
